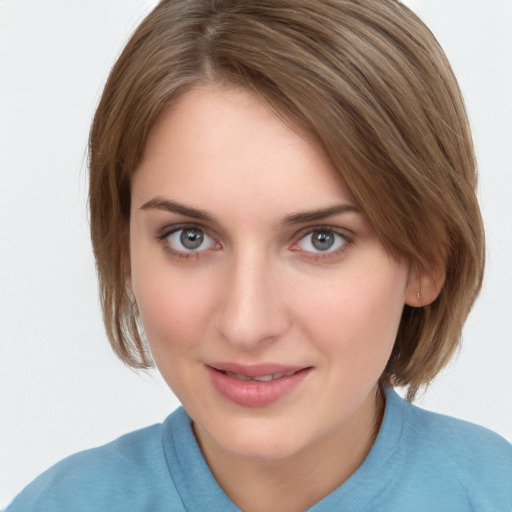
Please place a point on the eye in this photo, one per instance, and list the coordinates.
(322, 241)
(188, 239)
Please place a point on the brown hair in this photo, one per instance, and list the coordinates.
(369, 81)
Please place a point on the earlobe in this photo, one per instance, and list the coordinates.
(424, 286)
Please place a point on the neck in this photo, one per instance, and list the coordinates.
(299, 481)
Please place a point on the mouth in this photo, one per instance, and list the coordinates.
(260, 378)
(255, 385)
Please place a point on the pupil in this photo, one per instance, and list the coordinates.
(191, 238)
(322, 240)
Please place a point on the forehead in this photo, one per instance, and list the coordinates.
(224, 144)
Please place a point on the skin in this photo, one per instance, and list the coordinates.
(258, 291)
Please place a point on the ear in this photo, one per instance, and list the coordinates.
(424, 285)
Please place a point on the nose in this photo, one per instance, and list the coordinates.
(252, 310)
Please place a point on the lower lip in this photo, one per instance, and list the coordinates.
(253, 393)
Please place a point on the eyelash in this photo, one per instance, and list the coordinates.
(342, 236)
(346, 240)
(186, 255)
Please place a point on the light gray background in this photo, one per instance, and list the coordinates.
(61, 388)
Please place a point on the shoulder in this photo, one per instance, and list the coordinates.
(129, 473)
(460, 455)
(458, 441)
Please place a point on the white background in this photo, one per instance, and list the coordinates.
(61, 388)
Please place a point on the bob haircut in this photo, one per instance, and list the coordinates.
(369, 83)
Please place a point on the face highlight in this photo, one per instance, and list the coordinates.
(269, 304)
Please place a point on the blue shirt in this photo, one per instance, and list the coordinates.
(420, 462)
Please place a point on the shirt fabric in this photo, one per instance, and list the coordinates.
(420, 462)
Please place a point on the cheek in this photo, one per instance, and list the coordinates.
(174, 309)
(355, 318)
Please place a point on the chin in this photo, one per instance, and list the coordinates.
(258, 439)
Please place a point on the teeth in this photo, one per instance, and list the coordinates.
(238, 376)
(261, 378)
(265, 378)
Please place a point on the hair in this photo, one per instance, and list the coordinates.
(374, 89)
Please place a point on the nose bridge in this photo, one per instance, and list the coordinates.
(251, 310)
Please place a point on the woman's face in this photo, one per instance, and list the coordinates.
(269, 305)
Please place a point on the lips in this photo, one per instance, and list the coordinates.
(260, 378)
(255, 385)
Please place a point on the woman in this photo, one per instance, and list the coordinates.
(284, 219)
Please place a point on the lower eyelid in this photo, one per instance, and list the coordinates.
(165, 233)
(327, 256)
(347, 242)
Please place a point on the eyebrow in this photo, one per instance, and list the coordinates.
(314, 215)
(158, 203)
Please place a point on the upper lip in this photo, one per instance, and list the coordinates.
(255, 370)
